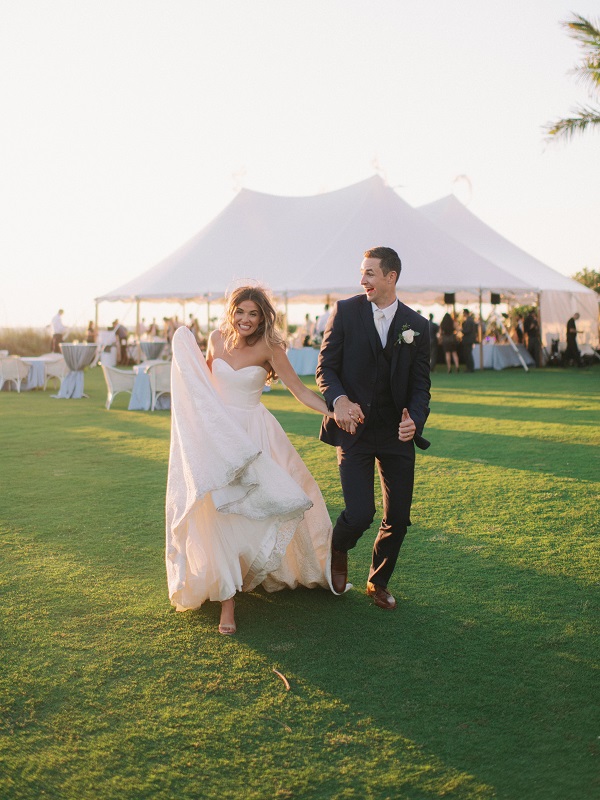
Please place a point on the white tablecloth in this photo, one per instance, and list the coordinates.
(77, 356)
(141, 396)
(501, 356)
(152, 350)
(303, 360)
(37, 373)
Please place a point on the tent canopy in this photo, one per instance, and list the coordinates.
(310, 248)
(560, 297)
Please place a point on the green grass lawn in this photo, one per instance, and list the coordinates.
(481, 685)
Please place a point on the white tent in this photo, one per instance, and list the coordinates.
(310, 248)
(559, 297)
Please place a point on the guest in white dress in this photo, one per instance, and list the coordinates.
(242, 508)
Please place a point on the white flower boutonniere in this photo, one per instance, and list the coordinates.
(407, 335)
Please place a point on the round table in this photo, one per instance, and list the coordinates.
(77, 357)
(141, 394)
(152, 350)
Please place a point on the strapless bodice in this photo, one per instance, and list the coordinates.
(240, 388)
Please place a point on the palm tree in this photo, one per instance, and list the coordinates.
(588, 72)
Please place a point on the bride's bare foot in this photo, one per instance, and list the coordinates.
(227, 623)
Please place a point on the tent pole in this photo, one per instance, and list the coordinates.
(287, 328)
(480, 333)
(137, 330)
(96, 316)
(541, 347)
(208, 315)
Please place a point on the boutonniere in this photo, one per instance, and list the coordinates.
(407, 335)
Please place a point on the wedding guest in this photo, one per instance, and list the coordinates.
(520, 329)
(58, 331)
(321, 322)
(194, 326)
(572, 354)
(91, 333)
(469, 337)
(449, 341)
(121, 335)
(534, 342)
(433, 342)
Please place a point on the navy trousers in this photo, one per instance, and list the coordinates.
(377, 444)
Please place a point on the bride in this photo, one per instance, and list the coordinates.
(242, 508)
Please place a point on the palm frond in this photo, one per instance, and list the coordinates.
(584, 31)
(566, 128)
(587, 34)
(588, 74)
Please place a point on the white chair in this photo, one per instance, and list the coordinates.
(107, 349)
(117, 381)
(55, 370)
(12, 369)
(160, 381)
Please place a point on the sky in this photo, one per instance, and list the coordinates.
(126, 126)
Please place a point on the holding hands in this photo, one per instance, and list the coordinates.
(347, 414)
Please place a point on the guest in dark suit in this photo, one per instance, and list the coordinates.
(373, 371)
(534, 339)
(434, 329)
(572, 354)
(469, 337)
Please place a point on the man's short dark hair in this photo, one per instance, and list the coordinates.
(390, 260)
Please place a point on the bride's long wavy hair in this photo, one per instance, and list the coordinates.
(267, 327)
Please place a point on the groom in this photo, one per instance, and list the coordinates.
(374, 374)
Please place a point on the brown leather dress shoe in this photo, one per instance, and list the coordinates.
(339, 570)
(381, 596)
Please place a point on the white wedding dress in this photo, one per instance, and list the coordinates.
(242, 509)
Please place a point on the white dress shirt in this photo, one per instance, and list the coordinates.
(383, 325)
(56, 326)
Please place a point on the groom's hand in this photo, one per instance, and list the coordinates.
(347, 414)
(407, 428)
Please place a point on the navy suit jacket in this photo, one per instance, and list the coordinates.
(348, 366)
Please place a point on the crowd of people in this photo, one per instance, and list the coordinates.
(456, 335)
(122, 338)
(453, 338)
(453, 333)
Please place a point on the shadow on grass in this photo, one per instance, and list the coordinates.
(562, 459)
(505, 411)
(465, 678)
(482, 665)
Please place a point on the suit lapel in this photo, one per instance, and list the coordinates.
(397, 323)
